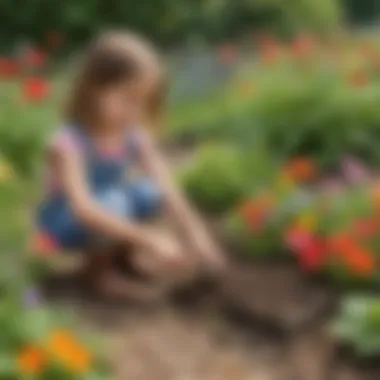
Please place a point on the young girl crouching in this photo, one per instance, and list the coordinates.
(93, 202)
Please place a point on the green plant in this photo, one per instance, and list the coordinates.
(358, 324)
(215, 180)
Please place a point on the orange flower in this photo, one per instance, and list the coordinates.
(300, 169)
(255, 211)
(357, 258)
(31, 360)
(340, 243)
(302, 46)
(69, 352)
(360, 261)
(376, 197)
(358, 78)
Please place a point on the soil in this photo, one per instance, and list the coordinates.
(264, 322)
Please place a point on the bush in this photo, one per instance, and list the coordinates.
(216, 179)
(299, 99)
(358, 325)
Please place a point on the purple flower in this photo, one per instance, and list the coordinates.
(31, 298)
(354, 171)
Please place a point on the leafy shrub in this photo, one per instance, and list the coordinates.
(358, 325)
(299, 99)
(216, 179)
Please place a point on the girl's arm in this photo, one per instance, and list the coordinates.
(183, 214)
(69, 168)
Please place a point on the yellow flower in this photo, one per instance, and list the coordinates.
(69, 352)
(31, 360)
(307, 221)
(285, 183)
(6, 172)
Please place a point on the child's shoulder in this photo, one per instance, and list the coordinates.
(63, 137)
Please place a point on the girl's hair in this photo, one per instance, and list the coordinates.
(110, 59)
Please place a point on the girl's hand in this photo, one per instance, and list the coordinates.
(166, 248)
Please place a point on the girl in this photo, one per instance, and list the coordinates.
(94, 203)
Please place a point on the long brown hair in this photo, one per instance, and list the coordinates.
(110, 59)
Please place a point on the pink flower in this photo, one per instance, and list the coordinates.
(353, 170)
(35, 57)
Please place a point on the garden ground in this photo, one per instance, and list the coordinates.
(267, 322)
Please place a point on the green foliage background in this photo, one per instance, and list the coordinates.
(167, 21)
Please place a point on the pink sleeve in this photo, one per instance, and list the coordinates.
(65, 140)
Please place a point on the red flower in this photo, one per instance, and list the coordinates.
(35, 57)
(54, 39)
(8, 67)
(227, 53)
(313, 254)
(43, 244)
(302, 46)
(36, 89)
(365, 228)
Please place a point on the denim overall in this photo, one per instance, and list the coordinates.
(109, 184)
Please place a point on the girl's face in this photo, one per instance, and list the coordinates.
(125, 104)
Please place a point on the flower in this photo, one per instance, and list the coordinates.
(358, 78)
(297, 238)
(31, 298)
(6, 171)
(68, 351)
(312, 255)
(31, 360)
(307, 221)
(300, 169)
(54, 39)
(365, 228)
(302, 46)
(227, 53)
(269, 50)
(357, 258)
(35, 57)
(360, 261)
(8, 67)
(35, 89)
(354, 170)
(256, 211)
(43, 244)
